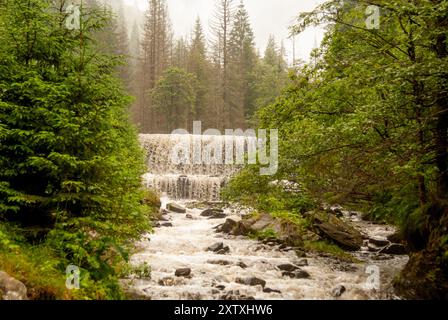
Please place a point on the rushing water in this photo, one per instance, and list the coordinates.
(184, 242)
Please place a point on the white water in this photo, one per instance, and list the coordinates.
(184, 246)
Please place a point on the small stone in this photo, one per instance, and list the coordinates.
(219, 262)
(338, 291)
(216, 247)
(269, 290)
(167, 224)
(251, 281)
(242, 265)
(287, 267)
(173, 207)
(297, 274)
(189, 216)
(183, 272)
(302, 263)
(224, 250)
(166, 282)
(220, 287)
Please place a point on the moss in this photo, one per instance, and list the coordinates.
(329, 248)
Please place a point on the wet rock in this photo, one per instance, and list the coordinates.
(287, 267)
(228, 226)
(224, 250)
(242, 265)
(251, 281)
(11, 288)
(302, 263)
(220, 287)
(379, 242)
(174, 207)
(216, 247)
(167, 224)
(166, 282)
(395, 249)
(300, 253)
(269, 290)
(219, 262)
(297, 274)
(373, 248)
(338, 291)
(163, 212)
(215, 291)
(338, 231)
(183, 272)
(395, 237)
(213, 214)
(189, 216)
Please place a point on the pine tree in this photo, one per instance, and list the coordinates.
(221, 28)
(242, 61)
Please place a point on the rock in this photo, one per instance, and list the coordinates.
(163, 212)
(394, 248)
(338, 231)
(167, 224)
(214, 291)
(220, 287)
(302, 263)
(269, 290)
(241, 265)
(264, 221)
(395, 238)
(297, 274)
(338, 291)
(299, 253)
(228, 226)
(183, 272)
(378, 241)
(166, 282)
(216, 247)
(11, 289)
(213, 214)
(287, 267)
(224, 250)
(173, 207)
(373, 248)
(189, 216)
(251, 281)
(219, 262)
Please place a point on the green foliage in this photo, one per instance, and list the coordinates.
(70, 162)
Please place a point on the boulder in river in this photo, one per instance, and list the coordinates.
(11, 288)
(287, 267)
(297, 274)
(394, 248)
(379, 242)
(166, 224)
(338, 231)
(174, 207)
(219, 262)
(251, 281)
(216, 247)
(213, 214)
(338, 291)
(183, 272)
(228, 226)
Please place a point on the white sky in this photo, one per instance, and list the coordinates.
(267, 17)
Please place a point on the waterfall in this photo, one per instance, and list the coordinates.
(192, 166)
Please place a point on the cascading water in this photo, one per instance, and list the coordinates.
(191, 166)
